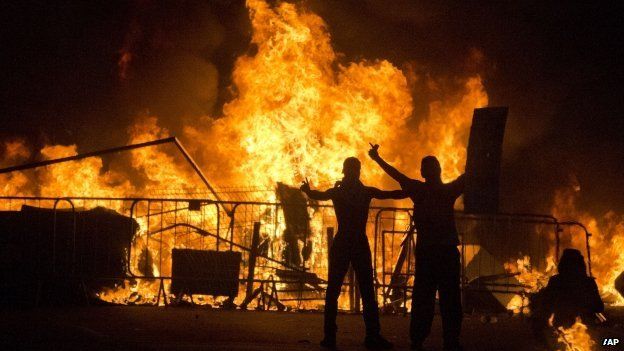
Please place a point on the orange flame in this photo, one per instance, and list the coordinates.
(299, 111)
(574, 338)
(607, 240)
(16, 183)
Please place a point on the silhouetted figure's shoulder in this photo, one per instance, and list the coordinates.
(333, 192)
(454, 188)
(348, 191)
(457, 186)
(579, 285)
(561, 282)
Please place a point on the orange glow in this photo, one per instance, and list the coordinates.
(574, 338)
(607, 240)
(298, 111)
(79, 178)
(16, 183)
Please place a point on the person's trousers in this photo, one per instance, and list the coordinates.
(437, 268)
(345, 251)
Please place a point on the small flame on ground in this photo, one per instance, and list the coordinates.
(574, 338)
(531, 278)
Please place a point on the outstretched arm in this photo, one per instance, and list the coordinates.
(458, 185)
(388, 194)
(315, 194)
(392, 172)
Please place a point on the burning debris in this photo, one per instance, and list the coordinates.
(297, 233)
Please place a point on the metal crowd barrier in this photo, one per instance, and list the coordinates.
(295, 269)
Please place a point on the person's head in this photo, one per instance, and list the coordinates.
(351, 168)
(430, 168)
(572, 263)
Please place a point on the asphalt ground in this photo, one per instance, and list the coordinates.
(202, 328)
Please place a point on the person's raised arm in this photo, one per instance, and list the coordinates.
(315, 194)
(458, 185)
(388, 194)
(391, 171)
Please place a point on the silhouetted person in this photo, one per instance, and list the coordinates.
(437, 256)
(351, 200)
(569, 294)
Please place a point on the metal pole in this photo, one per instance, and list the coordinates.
(218, 225)
(197, 170)
(351, 275)
(232, 217)
(330, 241)
(255, 239)
(85, 155)
(54, 233)
(133, 230)
(558, 230)
(173, 140)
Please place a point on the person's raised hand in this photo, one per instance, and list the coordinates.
(305, 185)
(374, 151)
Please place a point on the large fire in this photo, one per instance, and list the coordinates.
(296, 105)
(299, 109)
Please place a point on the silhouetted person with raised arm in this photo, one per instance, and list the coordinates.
(437, 256)
(351, 200)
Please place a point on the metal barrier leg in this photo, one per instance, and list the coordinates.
(255, 240)
(161, 289)
(351, 275)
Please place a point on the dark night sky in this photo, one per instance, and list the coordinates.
(559, 68)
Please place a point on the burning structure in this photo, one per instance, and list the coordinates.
(297, 109)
